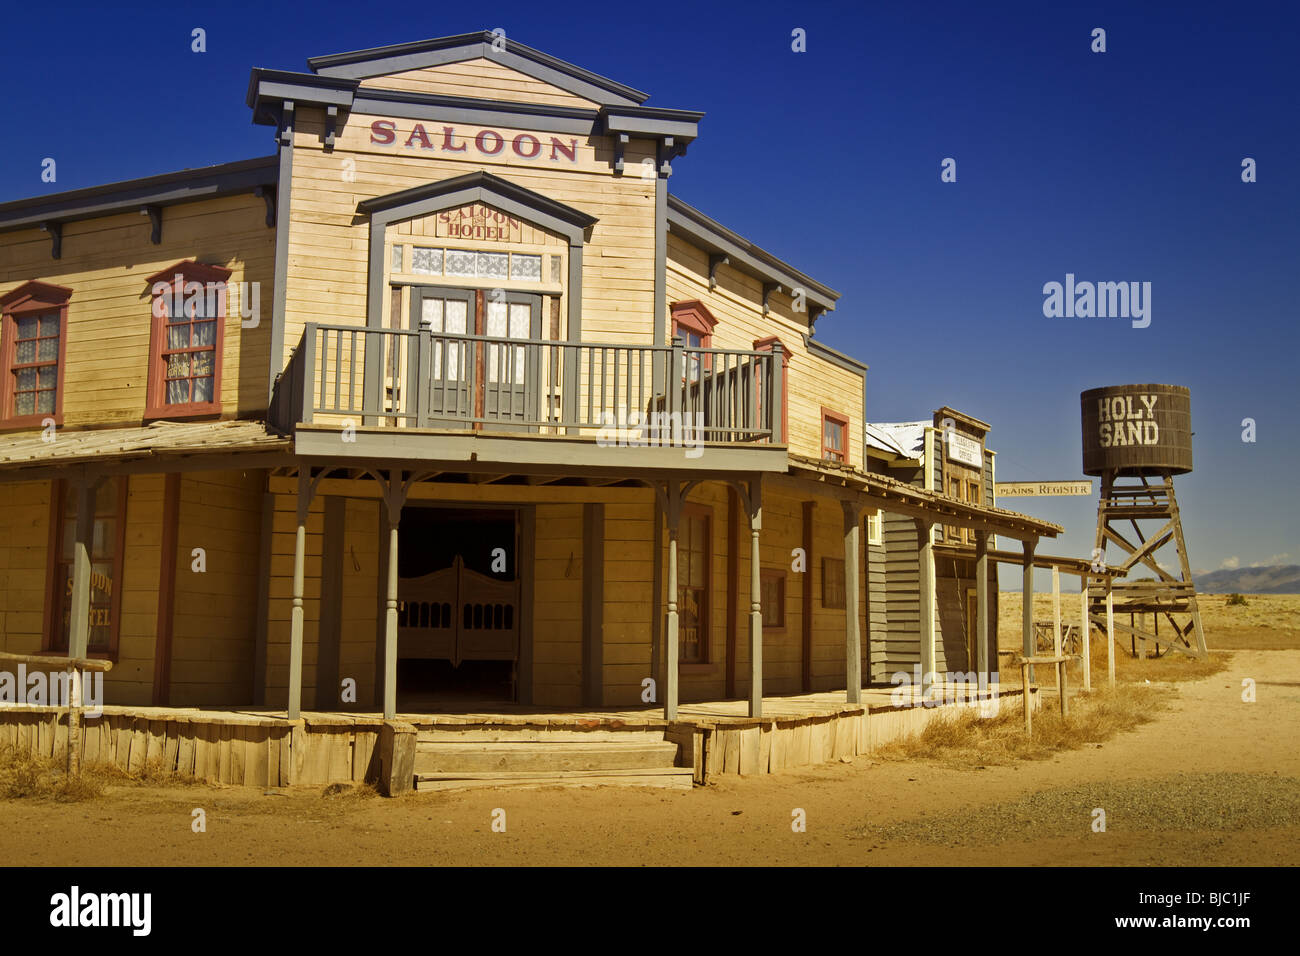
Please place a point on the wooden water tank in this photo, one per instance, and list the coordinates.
(1137, 429)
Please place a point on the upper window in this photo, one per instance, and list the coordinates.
(32, 345)
(835, 435)
(875, 531)
(189, 317)
(694, 323)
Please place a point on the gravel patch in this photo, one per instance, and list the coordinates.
(1207, 801)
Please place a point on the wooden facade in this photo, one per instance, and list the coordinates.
(487, 337)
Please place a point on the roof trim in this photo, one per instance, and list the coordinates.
(711, 235)
(834, 355)
(491, 186)
(187, 185)
(484, 44)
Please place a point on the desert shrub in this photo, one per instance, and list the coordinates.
(1236, 600)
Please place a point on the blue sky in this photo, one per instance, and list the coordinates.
(1115, 166)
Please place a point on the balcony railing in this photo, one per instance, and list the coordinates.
(422, 379)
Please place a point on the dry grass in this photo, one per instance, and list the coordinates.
(969, 741)
(26, 776)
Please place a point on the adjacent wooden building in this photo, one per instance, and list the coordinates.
(452, 399)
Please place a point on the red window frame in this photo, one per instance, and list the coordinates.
(765, 345)
(163, 285)
(56, 599)
(830, 415)
(30, 300)
(693, 316)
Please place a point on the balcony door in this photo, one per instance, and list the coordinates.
(493, 382)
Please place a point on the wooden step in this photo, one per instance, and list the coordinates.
(472, 734)
(529, 756)
(675, 778)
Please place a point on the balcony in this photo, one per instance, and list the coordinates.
(403, 383)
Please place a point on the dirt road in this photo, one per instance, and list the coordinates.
(1238, 808)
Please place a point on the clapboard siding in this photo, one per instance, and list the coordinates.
(214, 621)
(105, 262)
(481, 78)
(557, 617)
(737, 304)
(629, 608)
(327, 279)
(24, 538)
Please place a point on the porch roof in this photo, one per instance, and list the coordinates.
(898, 497)
(163, 446)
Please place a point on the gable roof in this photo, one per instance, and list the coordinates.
(421, 54)
(482, 186)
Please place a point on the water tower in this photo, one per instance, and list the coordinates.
(1136, 438)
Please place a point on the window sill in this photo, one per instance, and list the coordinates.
(24, 422)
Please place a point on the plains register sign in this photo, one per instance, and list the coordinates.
(1041, 489)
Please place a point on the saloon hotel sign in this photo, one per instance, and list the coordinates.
(486, 143)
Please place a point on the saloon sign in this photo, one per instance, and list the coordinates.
(490, 143)
(477, 221)
(1041, 489)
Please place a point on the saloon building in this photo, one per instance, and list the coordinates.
(451, 397)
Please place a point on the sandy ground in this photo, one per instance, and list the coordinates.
(1207, 730)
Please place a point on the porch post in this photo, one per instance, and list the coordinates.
(673, 513)
(926, 600)
(1027, 602)
(755, 601)
(1056, 611)
(1086, 634)
(852, 629)
(982, 609)
(394, 497)
(79, 610)
(305, 489)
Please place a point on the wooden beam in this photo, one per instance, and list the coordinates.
(753, 495)
(926, 600)
(673, 514)
(1027, 609)
(733, 587)
(852, 628)
(982, 609)
(162, 657)
(806, 590)
(593, 604)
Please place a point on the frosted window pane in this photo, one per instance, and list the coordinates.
(49, 349)
(461, 263)
(555, 268)
(397, 259)
(203, 390)
(528, 268)
(496, 319)
(520, 313)
(27, 352)
(492, 265)
(431, 314)
(26, 379)
(426, 261)
(457, 312)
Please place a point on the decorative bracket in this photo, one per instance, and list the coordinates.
(718, 259)
(286, 123)
(620, 144)
(668, 149)
(155, 219)
(815, 312)
(331, 122)
(55, 229)
(768, 289)
(267, 194)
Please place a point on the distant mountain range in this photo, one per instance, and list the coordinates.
(1278, 579)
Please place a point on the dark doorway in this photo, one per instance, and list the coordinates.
(458, 606)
